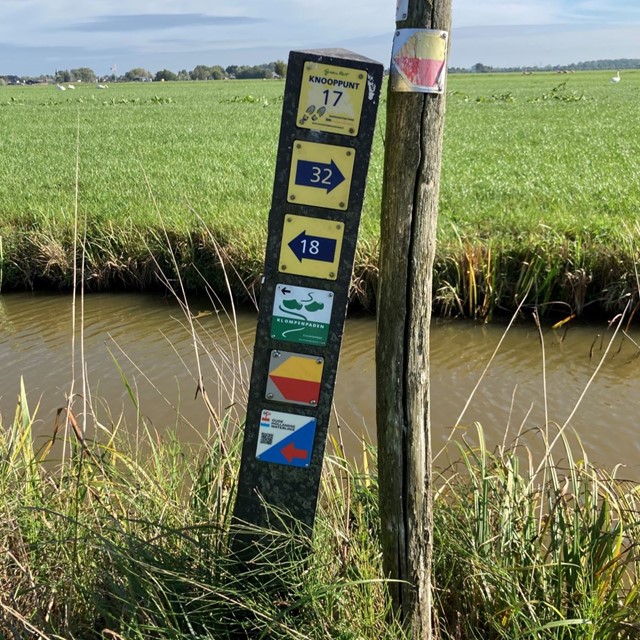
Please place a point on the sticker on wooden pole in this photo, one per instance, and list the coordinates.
(419, 60)
(331, 98)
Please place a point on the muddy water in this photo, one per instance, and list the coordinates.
(147, 341)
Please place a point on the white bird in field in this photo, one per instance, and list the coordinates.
(102, 86)
(616, 78)
(59, 87)
(70, 86)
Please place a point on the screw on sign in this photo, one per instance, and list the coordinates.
(402, 8)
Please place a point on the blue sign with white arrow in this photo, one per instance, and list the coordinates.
(313, 247)
(320, 175)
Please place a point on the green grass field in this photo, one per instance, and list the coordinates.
(539, 187)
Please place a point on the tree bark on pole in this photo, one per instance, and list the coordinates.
(413, 151)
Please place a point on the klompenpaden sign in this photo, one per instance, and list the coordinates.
(301, 315)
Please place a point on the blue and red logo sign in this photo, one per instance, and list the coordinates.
(285, 438)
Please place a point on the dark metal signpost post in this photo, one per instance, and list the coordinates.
(330, 104)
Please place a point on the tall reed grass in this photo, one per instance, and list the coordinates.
(127, 537)
(525, 550)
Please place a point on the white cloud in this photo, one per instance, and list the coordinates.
(38, 34)
(605, 12)
(543, 45)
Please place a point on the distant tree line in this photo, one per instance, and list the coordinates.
(591, 65)
(83, 74)
(277, 69)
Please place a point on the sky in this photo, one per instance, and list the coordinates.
(42, 36)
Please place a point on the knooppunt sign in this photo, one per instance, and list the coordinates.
(330, 104)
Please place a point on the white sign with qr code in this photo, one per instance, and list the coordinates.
(285, 438)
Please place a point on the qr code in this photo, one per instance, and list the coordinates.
(266, 438)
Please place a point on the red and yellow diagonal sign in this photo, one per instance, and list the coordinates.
(295, 378)
(418, 60)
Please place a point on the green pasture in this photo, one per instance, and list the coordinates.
(169, 150)
(539, 189)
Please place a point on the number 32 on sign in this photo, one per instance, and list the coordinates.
(321, 175)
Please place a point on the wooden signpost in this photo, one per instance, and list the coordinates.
(413, 155)
(330, 104)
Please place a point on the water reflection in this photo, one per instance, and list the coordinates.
(147, 341)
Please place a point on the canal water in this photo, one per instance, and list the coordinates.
(141, 361)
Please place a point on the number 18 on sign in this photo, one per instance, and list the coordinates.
(311, 247)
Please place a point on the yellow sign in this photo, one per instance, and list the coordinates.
(320, 175)
(331, 98)
(311, 247)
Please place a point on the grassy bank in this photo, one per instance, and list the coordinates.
(539, 188)
(127, 538)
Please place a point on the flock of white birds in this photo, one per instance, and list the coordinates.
(61, 87)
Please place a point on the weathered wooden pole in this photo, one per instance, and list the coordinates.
(414, 134)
